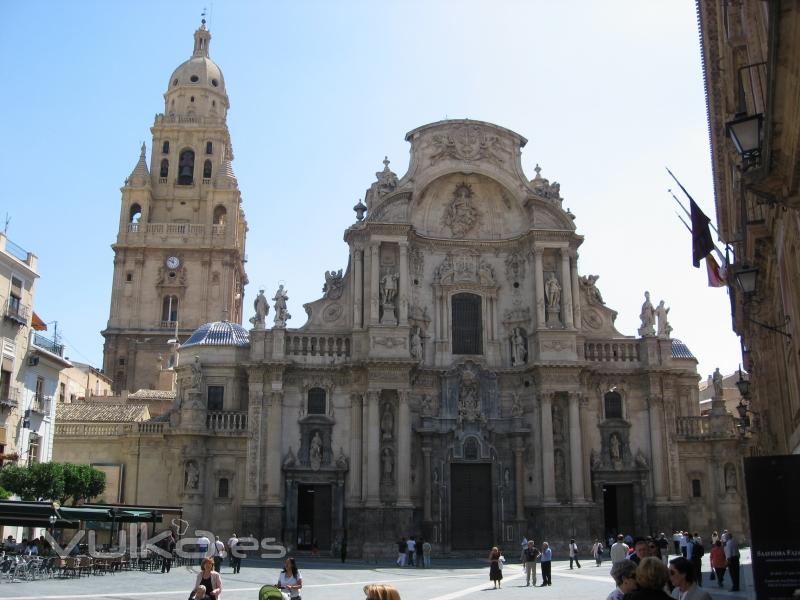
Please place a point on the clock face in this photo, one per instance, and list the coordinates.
(173, 262)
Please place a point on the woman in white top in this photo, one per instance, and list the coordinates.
(290, 579)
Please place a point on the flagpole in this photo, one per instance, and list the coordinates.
(685, 224)
(690, 198)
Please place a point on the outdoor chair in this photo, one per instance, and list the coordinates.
(20, 569)
(70, 566)
(85, 565)
(6, 569)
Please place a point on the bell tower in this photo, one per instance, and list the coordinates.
(179, 253)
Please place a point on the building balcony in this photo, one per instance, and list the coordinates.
(9, 398)
(17, 312)
(227, 421)
(705, 428)
(41, 404)
(47, 344)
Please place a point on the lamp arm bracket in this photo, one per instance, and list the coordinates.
(776, 329)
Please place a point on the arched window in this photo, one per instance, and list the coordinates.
(207, 169)
(209, 148)
(165, 147)
(223, 488)
(186, 168)
(613, 405)
(467, 324)
(316, 401)
(169, 310)
(219, 215)
(135, 214)
(164, 172)
(471, 449)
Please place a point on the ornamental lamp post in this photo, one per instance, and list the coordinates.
(745, 133)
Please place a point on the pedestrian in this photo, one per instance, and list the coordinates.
(426, 553)
(401, 552)
(343, 549)
(573, 553)
(495, 570)
(663, 547)
(167, 547)
(209, 579)
(546, 559)
(597, 552)
(624, 575)
(381, 591)
(732, 556)
(411, 550)
(420, 552)
(619, 551)
(695, 552)
(290, 579)
(202, 547)
(529, 557)
(236, 557)
(718, 562)
(651, 577)
(684, 543)
(682, 575)
(676, 542)
(218, 554)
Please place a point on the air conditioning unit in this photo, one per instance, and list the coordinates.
(33, 361)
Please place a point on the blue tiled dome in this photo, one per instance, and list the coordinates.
(219, 333)
(681, 350)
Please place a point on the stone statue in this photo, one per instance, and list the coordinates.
(388, 464)
(341, 461)
(416, 343)
(664, 328)
(289, 459)
(614, 447)
(730, 477)
(648, 317)
(426, 406)
(641, 459)
(261, 306)
(553, 292)
(588, 283)
(387, 423)
(197, 374)
(716, 380)
(334, 284)
(281, 313)
(517, 409)
(192, 475)
(518, 351)
(469, 408)
(389, 288)
(461, 216)
(315, 452)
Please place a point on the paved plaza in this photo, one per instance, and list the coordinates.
(324, 578)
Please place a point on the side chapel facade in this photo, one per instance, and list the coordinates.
(458, 379)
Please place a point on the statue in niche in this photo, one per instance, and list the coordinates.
(315, 452)
(426, 406)
(389, 288)
(261, 306)
(516, 405)
(553, 292)
(192, 475)
(461, 216)
(716, 380)
(730, 477)
(593, 295)
(614, 447)
(468, 403)
(518, 351)
(388, 464)
(436, 475)
(647, 317)
(387, 423)
(197, 374)
(281, 313)
(664, 328)
(289, 460)
(416, 343)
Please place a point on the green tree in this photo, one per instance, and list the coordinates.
(47, 480)
(82, 482)
(17, 480)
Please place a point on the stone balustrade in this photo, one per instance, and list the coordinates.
(706, 427)
(149, 427)
(309, 345)
(227, 421)
(90, 429)
(181, 229)
(612, 351)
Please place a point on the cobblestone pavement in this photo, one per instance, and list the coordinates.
(323, 578)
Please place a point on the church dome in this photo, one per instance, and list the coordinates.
(219, 333)
(198, 71)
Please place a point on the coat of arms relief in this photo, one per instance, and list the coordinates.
(461, 216)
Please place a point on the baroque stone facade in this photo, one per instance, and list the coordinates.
(458, 379)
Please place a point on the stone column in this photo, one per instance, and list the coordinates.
(364, 447)
(254, 407)
(403, 300)
(566, 289)
(403, 449)
(374, 283)
(519, 482)
(426, 466)
(575, 449)
(355, 446)
(548, 467)
(274, 459)
(373, 449)
(656, 447)
(539, 294)
(576, 294)
(358, 291)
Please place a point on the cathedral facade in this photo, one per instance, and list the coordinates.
(458, 379)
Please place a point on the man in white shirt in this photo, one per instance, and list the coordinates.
(411, 549)
(573, 554)
(619, 551)
(202, 547)
(219, 553)
(732, 555)
(236, 561)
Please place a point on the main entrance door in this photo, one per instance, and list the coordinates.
(313, 516)
(618, 509)
(471, 507)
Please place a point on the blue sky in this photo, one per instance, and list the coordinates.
(607, 93)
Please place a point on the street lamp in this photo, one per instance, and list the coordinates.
(745, 133)
(744, 387)
(746, 278)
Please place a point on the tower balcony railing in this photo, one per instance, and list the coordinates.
(300, 345)
(162, 119)
(181, 229)
(616, 351)
(227, 421)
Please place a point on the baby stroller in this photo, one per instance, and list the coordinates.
(270, 592)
